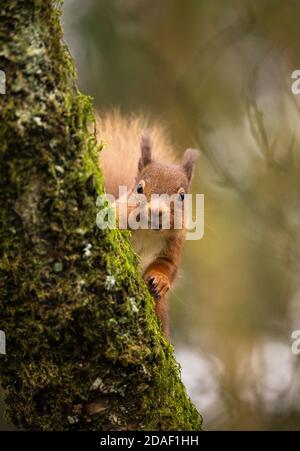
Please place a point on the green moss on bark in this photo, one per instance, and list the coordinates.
(79, 325)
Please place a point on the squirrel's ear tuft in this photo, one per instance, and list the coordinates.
(146, 146)
(188, 161)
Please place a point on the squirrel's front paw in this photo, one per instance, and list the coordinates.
(158, 283)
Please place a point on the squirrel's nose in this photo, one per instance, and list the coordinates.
(157, 218)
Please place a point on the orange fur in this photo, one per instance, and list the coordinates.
(129, 158)
(119, 160)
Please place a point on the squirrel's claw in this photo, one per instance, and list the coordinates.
(152, 284)
(158, 285)
(151, 281)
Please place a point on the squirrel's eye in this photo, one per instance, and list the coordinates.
(140, 188)
(181, 196)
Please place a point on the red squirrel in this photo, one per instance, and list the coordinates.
(147, 165)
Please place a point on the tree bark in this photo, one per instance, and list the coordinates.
(84, 350)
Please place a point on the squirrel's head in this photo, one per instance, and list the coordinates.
(163, 186)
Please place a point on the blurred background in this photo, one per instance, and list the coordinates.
(218, 75)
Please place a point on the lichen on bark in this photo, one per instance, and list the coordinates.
(80, 326)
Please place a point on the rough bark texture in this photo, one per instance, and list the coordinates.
(79, 324)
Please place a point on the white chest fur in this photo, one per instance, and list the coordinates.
(148, 245)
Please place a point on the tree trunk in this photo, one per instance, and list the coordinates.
(83, 347)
